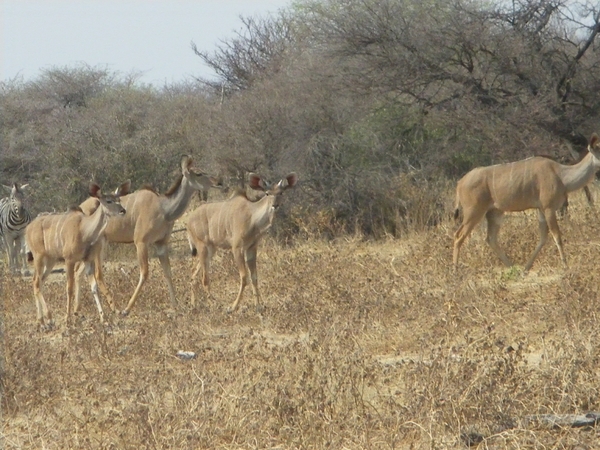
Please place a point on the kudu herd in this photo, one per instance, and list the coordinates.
(146, 219)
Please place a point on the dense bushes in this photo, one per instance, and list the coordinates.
(378, 105)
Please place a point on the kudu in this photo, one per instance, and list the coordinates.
(536, 182)
(236, 224)
(73, 237)
(149, 221)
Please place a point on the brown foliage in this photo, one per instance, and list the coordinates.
(353, 95)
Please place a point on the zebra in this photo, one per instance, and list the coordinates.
(13, 220)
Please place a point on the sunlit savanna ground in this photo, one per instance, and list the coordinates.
(361, 345)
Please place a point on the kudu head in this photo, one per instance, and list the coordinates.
(594, 148)
(198, 180)
(111, 202)
(272, 191)
(17, 198)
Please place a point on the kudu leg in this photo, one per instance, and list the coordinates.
(588, 195)
(142, 254)
(44, 317)
(238, 257)
(97, 260)
(251, 261)
(49, 265)
(72, 283)
(23, 255)
(91, 272)
(494, 221)
(78, 274)
(162, 251)
(204, 256)
(470, 219)
(555, 230)
(98, 273)
(543, 238)
(194, 281)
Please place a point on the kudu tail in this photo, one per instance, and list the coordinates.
(457, 208)
(29, 257)
(192, 246)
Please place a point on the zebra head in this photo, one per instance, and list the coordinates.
(17, 198)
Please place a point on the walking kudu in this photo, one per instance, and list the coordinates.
(73, 237)
(236, 224)
(149, 221)
(536, 182)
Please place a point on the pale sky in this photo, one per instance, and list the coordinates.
(151, 36)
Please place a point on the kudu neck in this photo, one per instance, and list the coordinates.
(174, 205)
(578, 175)
(263, 213)
(93, 225)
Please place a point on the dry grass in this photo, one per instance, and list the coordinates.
(362, 345)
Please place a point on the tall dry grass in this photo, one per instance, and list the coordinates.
(362, 345)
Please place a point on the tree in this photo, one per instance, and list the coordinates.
(256, 51)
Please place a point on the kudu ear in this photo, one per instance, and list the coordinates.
(94, 190)
(292, 179)
(256, 182)
(24, 186)
(186, 164)
(123, 189)
(593, 141)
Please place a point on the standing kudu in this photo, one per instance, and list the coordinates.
(73, 237)
(149, 221)
(536, 182)
(236, 224)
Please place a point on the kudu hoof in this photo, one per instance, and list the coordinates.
(124, 313)
(79, 318)
(172, 313)
(67, 332)
(45, 327)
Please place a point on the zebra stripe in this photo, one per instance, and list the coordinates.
(14, 217)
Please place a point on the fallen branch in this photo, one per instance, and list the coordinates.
(472, 438)
(564, 420)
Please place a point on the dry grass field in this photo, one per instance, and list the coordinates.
(362, 345)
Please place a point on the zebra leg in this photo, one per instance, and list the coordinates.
(4, 243)
(11, 244)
